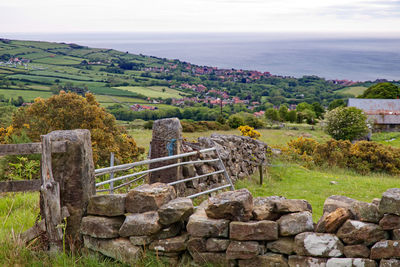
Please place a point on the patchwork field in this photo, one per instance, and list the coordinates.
(153, 91)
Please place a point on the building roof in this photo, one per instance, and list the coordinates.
(382, 111)
(376, 106)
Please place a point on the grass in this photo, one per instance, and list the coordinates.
(28, 95)
(153, 91)
(353, 90)
(18, 212)
(59, 60)
(388, 138)
(274, 138)
(116, 99)
(296, 182)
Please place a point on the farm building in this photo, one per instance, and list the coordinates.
(385, 113)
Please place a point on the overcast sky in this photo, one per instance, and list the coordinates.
(199, 16)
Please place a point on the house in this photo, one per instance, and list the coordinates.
(138, 107)
(259, 114)
(384, 113)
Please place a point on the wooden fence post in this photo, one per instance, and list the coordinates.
(50, 191)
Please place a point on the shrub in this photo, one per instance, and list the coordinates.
(253, 121)
(333, 153)
(303, 145)
(235, 121)
(363, 156)
(346, 123)
(202, 126)
(68, 111)
(148, 125)
(249, 131)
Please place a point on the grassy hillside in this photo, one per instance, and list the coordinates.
(115, 73)
(353, 90)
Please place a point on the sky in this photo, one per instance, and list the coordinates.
(63, 16)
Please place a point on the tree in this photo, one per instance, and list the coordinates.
(382, 90)
(346, 123)
(292, 116)
(68, 111)
(272, 114)
(306, 114)
(336, 103)
(283, 112)
(318, 109)
(303, 105)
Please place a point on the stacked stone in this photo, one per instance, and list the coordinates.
(233, 229)
(241, 156)
(365, 230)
(149, 217)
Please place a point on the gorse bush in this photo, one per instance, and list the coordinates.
(249, 131)
(363, 156)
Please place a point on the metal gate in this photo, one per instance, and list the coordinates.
(124, 167)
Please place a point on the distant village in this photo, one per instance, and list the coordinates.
(209, 96)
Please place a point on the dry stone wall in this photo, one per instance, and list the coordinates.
(235, 229)
(241, 156)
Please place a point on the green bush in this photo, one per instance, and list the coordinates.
(346, 123)
(202, 126)
(148, 125)
(235, 121)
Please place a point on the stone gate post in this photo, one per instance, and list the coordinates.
(166, 141)
(74, 171)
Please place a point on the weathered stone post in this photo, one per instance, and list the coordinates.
(74, 171)
(166, 141)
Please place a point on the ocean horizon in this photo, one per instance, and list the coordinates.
(357, 58)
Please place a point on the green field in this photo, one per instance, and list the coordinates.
(153, 91)
(27, 95)
(296, 182)
(353, 90)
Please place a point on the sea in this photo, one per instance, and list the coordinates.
(352, 57)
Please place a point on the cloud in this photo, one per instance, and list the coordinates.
(200, 15)
(364, 9)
